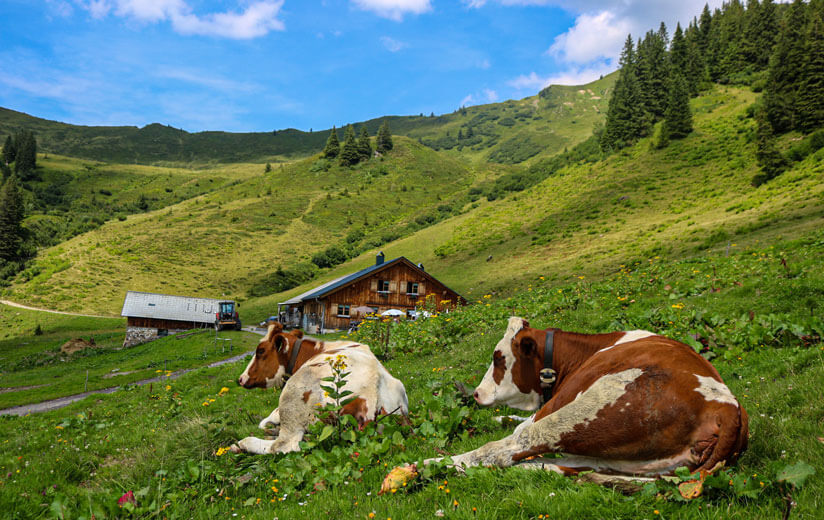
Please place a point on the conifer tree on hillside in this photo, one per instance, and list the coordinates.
(694, 72)
(9, 151)
(761, 28)
(786, 65)
(678, 50)
(678, 117)
(810, 105)
(11, 217)
(349, 153)
(25, 160)
(704, 29)
(626, 117)
(332, 148)
(770, 160)
(652, 72)
(383, 141)
(364, 145)
(731, 60)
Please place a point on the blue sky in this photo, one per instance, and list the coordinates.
(259, 65)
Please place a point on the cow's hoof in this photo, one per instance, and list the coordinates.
(272, 432)
(235, 448)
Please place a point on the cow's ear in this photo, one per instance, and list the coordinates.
(281, 343)
(297, 333)
(526, 324)
(528, 346)
(278, 327)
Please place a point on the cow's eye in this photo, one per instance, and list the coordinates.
(259, 352)
(498, 360)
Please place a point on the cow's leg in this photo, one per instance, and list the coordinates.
(252, 445)
(532, 438)
(273, 419)
(509, 419)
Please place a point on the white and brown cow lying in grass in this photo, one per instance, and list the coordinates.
(305, 362)
(626, 403)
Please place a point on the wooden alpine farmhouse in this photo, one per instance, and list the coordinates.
(396, 284)
(150, 315)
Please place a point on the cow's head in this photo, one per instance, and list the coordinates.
(268, 364)
(513, 377)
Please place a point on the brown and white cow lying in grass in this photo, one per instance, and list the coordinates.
(626, 403)
(305, 362)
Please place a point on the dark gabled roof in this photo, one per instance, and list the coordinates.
(332, 286)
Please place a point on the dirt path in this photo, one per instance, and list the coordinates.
(21, 306)
(60, 402)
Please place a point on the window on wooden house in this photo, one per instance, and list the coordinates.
(343, 311)
(412, 288)
(383, 286)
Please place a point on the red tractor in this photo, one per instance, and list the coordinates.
(227, 317)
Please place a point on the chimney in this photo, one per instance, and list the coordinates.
(420, 266)
(379, 258)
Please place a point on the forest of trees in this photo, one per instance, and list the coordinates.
(774, 48)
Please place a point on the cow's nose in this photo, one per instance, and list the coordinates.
(475, 395)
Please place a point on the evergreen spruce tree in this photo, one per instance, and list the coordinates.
(651, 57)
(9, 151)
(626, 116)
(25, 160)
(678, 50)
(704, 29)
(786, 66)
(677, 117)
(810, 106)
(694, 71)
(349, 153)
(364, 145)
(11, 217)
(5, 172)
(332, 148)
(383, 141)
(732, 39)
(267, 168)
(770, 160)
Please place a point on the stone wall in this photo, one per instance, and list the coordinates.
(138, 335)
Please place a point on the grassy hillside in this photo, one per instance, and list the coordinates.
(167, 448)
(590, 218)
(508, 132)
(582, 220)
(225, 241)
(72, 195)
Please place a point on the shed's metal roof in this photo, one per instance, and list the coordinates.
(168, 307)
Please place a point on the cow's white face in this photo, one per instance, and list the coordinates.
(504, 383)
(268, 365)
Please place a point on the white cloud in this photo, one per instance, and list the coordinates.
(257, 19)
(468, 100)
(392, 45)
(474, 4)
(394, 9)
(206, 79)
(60, 8)
(593, 37)
(486, 95)
(572, 76)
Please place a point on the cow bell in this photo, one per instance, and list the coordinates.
(547, 376)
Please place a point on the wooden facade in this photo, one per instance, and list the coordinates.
(156, 323)
(398, 284)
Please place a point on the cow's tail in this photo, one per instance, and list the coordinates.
(733, 437)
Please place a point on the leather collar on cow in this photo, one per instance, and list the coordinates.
(548, 374)
(294, 357)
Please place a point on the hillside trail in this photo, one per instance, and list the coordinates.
(28, 308)
(60, 402)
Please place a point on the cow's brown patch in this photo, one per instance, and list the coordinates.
(498, 366)
(306, 396)
(357, 408)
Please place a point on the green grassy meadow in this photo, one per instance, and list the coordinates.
(757, 317)
(34, 363)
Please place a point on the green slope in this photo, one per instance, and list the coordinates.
(227, 240)
(508, 132)
(588, 219)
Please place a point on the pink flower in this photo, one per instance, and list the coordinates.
(127, 497)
